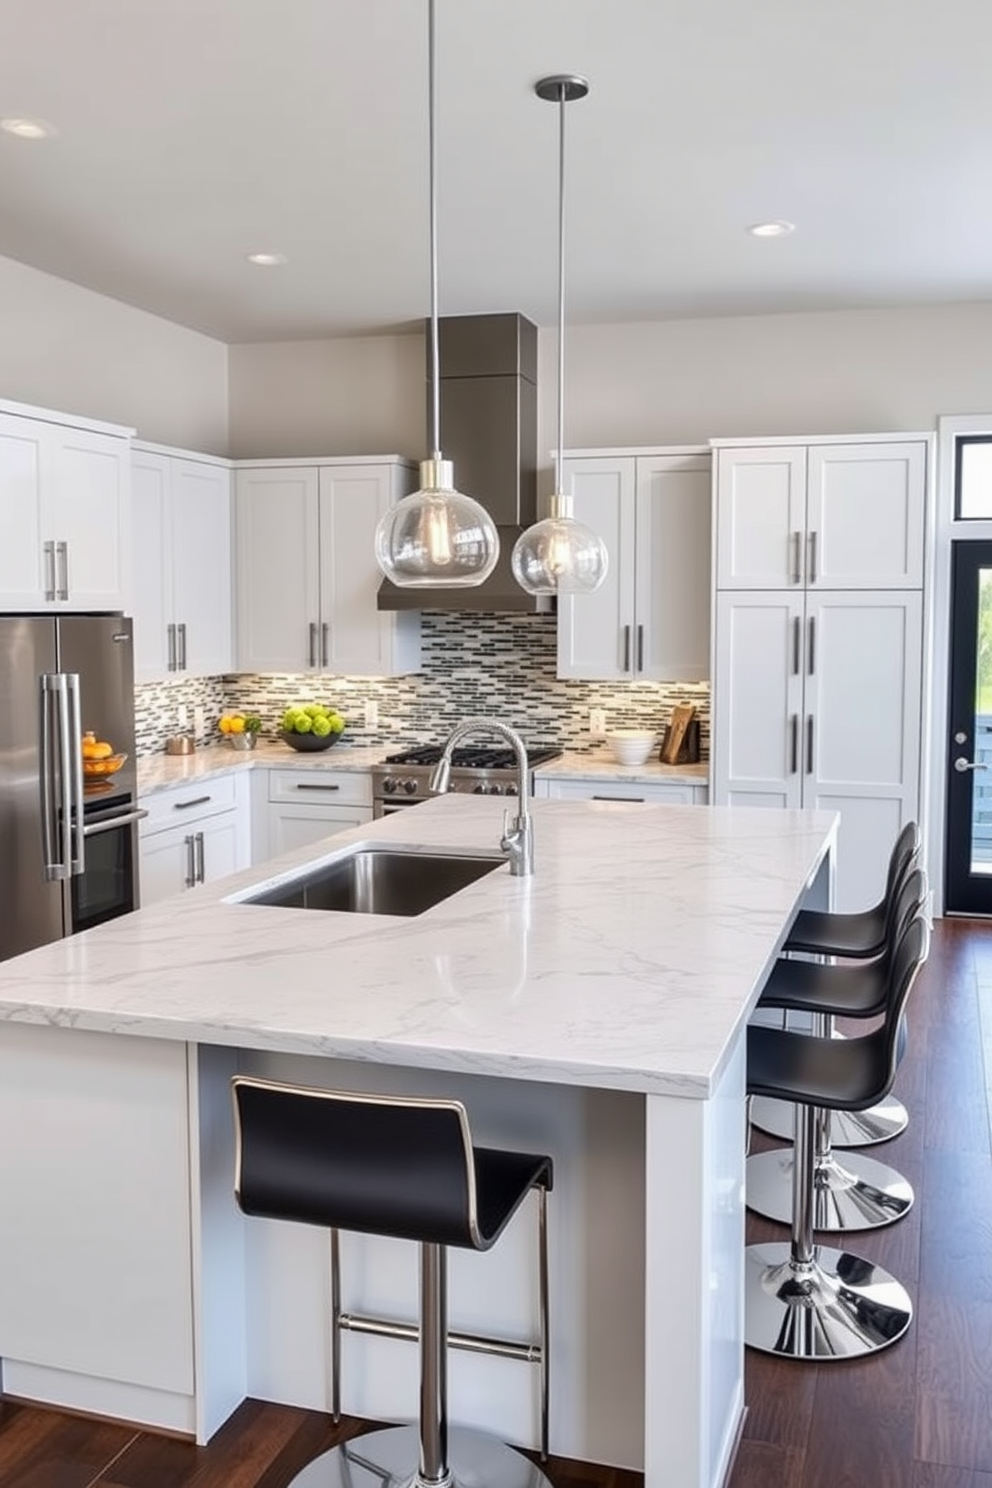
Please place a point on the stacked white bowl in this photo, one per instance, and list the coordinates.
(631, 746)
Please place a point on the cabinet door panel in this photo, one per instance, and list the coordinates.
(291, 826)
(278, 568)
(151, 567)
(865, 515)
(596, 631)
(88, 507)
(862, 703)
(758, 700)
(672, 569)
(165, 864)
(23, 579)
(201, 564)
(761, 518)
(359, 638)
(221, 852)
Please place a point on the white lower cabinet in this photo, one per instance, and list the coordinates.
(307, 805)
(193, 835)
(593, 788)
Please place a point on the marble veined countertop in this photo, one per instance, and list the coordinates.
(161, 771)
(630, 960)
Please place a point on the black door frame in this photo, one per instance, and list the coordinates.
(964, 892)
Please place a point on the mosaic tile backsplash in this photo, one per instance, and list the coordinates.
(502, 666)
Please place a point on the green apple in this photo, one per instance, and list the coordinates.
(321, 726)
(302, 723)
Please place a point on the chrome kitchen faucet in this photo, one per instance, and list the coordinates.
(518, 831)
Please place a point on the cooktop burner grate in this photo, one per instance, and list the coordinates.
(474, 757)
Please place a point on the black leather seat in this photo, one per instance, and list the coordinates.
(860, 936)
(852, 1191)
(405, 1167)
(800, 1299)
(851, 937)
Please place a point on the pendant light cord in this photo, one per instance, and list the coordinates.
(435, 349)
(560, 473)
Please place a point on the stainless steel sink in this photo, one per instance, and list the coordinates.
(378, 881)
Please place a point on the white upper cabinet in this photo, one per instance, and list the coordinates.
(183, 619)
(65, 513)
(821, 516)
(306, 572)
(649, 620)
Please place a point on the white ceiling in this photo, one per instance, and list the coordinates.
(192, 132)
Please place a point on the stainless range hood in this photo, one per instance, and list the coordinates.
(488, 388)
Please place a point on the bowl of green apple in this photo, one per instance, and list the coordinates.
(311, 726)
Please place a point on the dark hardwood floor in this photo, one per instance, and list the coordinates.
(918, 1415)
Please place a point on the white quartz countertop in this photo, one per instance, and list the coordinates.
(630, 960)
(600, 765)
(161, 771)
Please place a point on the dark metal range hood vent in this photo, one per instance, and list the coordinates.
(488, 388)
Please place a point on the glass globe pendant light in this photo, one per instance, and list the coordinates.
(560, 555)
(437, 538)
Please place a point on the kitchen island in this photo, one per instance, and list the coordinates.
(595, 1011)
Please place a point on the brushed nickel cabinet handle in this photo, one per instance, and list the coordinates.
(170, 635)
(795, 646)
(196, 801)
(796, 540)
(794, 754)
(317, 787)
(48, 549)
(313, 643)
(811, 648)
(200, 859)
(640, 648)
(182, 647)
(809, 745)
(812, 558)
(190, 862)
(626, 648)
(634, 800)
(325, 643)
(62, 561)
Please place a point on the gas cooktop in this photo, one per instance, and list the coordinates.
(474, 757)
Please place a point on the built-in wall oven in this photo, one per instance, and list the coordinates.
(107, 886)
(403, 780)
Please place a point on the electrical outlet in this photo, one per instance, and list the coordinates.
(198, 721)
(182, 717)
(371, 715)
(597, 723)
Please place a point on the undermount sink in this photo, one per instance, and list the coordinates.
(384, 881)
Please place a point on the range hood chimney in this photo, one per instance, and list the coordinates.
(488, 388)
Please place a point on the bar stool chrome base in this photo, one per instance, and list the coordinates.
(836, 1306)
(880, 1123)
(390, 1458)
(855, 1193)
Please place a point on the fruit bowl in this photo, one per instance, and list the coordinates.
(308, 743)
(94, 768)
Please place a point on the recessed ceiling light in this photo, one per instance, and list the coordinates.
(266, 260)
(776, 229)
(30, 129)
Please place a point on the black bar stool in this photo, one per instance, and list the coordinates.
(860, 936)
(805, 1301)
(402, 1166)
(856, 1193)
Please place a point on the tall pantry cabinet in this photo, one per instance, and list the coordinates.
(818, 637)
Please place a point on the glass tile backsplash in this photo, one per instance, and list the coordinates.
(502, 666)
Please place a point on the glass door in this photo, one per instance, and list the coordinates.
(968, 870)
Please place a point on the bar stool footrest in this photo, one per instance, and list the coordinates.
(390, 1459)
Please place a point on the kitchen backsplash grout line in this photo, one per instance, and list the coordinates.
(497, 665)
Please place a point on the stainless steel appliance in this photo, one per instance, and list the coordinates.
(483, 770)
(69, 844)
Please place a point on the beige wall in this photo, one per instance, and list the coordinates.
(674, 382)
(68, 349)
(359, 396)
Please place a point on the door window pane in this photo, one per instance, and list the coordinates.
(981, 812)
(973, 478)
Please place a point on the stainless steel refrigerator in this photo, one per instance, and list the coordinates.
(68, 843)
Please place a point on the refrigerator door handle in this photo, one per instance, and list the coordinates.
(46, 781)
(57, 785)
(73, 771)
